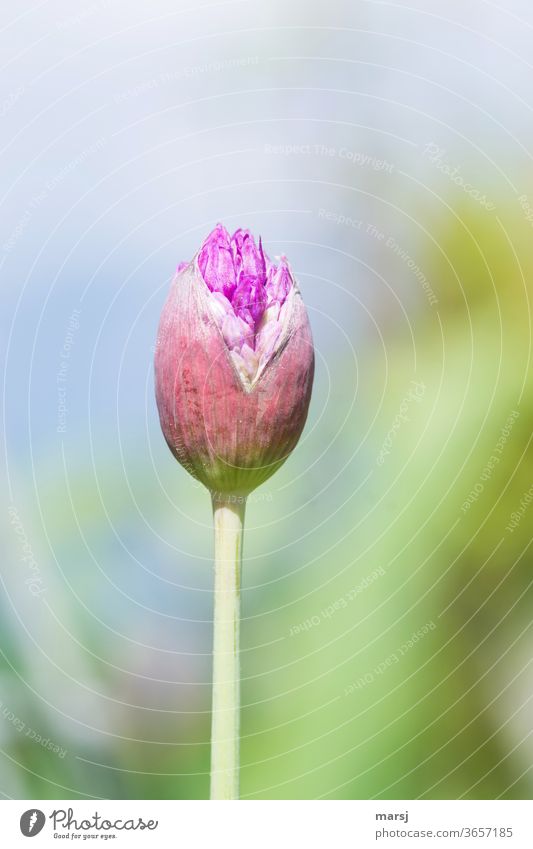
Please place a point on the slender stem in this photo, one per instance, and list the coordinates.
(228, 515)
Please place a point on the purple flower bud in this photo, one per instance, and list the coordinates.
(234, 363)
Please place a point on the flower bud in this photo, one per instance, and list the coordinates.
(234, 364)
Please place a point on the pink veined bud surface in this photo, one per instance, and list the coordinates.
(234, 363)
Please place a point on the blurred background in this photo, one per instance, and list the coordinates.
(386, 149)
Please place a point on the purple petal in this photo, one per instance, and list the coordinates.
(250, 300)
(279, 282)
(216, 262)
(235, 332)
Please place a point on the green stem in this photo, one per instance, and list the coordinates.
(228, 515)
